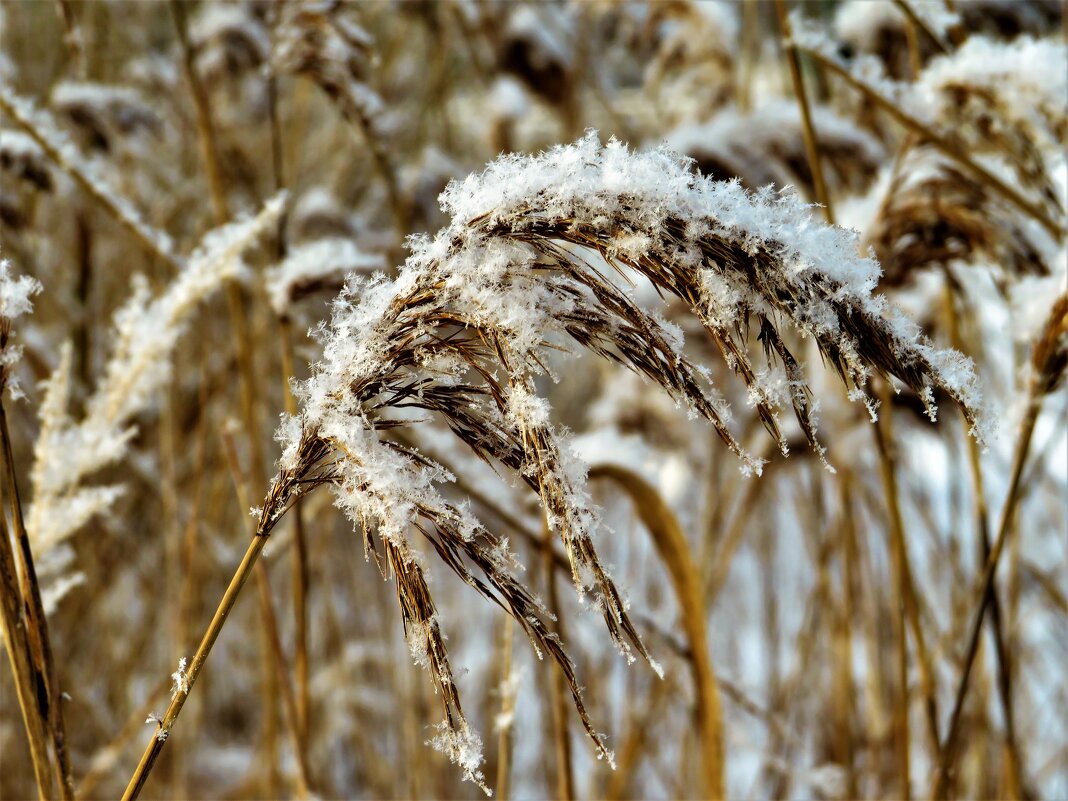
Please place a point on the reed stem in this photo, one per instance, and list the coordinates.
(883, 432)
(27, 679)
(982, 518)
(37, 622)
(674, 551)
(984, 594)
(218, 620)
(809, 134)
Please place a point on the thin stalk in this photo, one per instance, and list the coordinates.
(71, 38)
(947, 753)
(747, 57)
(163, 730)
(883, 432)
(210, 154)
(811, 145)
(565, 774)
(238, 316)
(947, 147)
(83, 292)
(850, 598)
(504, 736)
(982, 518)
(920, 24)
(913, 41)
(901, 637)
(202, 108)
(300, 557)
(270, 628)
(27, 678)
(37, 622)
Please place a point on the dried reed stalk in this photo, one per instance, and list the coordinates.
(1015, 758)
(192, 672)
(565, 770)
(675, 553)
(30, 683)
(906, 597)
(505, 717)
(300, 556)
(809, 134)
(49, 697)
(242, 338)
(277, 667)
(1049, 360)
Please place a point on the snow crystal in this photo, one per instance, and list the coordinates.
(15, 294)
(463, 748)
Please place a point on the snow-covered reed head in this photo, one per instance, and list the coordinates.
(766, 145)
(1049, 359)
(465, 330)
(319, 42)
(100, 114)
(147, 331)
(934, 214)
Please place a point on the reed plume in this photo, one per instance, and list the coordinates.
(464, 332)
(147, 330)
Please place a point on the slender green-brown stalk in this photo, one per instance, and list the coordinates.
(1015, 766)
(883, 433)
(565, 773)
(300, 555)
(280, 672)
(504, 734)
(71, 37)
(917, 22)
(238, 314)
(947, 752)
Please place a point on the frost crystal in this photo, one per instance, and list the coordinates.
(180, 679)
(463, 747)
(15, 294)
